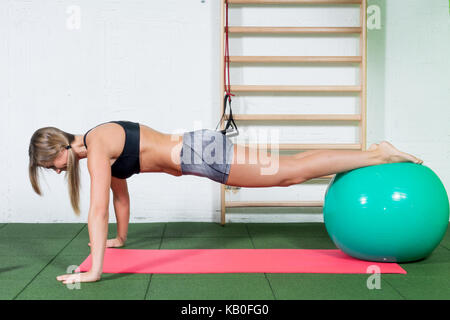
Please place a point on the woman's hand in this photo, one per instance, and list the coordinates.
(79, 277)
(114, 243)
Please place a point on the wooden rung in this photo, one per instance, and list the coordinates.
(241, 204)
(266, 88)
(294, 1)
(303, 147)
(288, 30)
(293, 59)
(296, 117)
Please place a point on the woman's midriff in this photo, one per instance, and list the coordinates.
(160, 152)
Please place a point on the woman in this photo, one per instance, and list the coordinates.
(118, 149)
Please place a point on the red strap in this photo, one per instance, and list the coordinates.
(227, 56)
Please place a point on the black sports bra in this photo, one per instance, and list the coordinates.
(127, 163)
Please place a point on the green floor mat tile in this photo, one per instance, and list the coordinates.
(145, 230)
(11, 288)
(61, 265)
(77, 247)
(108, 288)
(31, 246)
(438, 263)
(201, 229)
(445, 241)
(287, 229)
(268, 242)
(68, 264)
(22, 267)
(329, 287)
(207, 243)
(208, 276)
(41, 230)
(421, 287)
(142, 243)
(211, 287)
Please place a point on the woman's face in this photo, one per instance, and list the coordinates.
(60, 163)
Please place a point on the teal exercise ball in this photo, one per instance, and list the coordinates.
(395, 212)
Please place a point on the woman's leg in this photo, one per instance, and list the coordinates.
(295, 169)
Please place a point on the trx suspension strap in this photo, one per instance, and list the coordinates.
(230, 128)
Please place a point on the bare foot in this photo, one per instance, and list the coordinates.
(373, 147)
(390, 154)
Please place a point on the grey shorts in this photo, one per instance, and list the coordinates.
(206, 153)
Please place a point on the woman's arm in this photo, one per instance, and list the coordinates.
(121, 201)
(100, 172)
(122, 210)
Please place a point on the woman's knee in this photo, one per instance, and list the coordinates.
(291, 181)
(290, 172)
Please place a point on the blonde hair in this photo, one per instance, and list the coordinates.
(45, 146)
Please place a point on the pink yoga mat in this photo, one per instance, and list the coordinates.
(236, 261)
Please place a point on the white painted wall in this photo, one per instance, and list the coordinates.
(158, 63)
(417, 110)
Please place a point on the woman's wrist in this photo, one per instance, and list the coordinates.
(97, 274)
(123, 239)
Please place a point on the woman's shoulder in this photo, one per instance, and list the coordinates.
(104, 129)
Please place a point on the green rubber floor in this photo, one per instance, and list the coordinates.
(32, 255)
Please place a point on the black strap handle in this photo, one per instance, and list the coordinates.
(230, 121)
